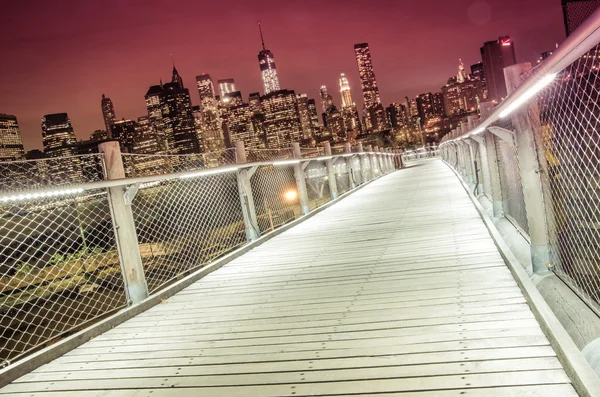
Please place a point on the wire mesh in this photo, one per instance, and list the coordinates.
(357, 174)
(159, 164)
(343, 176)
(184, 224)
(513, 202)
(275, 196)
(487, 179)
(308, 153)
(570, 123)
(59, 268)
(28, 175)
(266, 155)
(317, 183)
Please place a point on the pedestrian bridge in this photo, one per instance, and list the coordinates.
(397, 289)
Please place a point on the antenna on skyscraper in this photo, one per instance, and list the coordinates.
(262, 40)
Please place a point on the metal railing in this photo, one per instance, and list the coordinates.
(83, 237)
(536, 156)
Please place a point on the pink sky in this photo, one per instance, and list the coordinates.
(61, 56)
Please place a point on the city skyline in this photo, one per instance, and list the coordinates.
(399, 73)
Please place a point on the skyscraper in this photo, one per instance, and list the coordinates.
(496, 55)
(211, 130)
(462, 75)
(303, 111)
(11, 144)
(367, 75)
(226, 86)
(170, 111)
(425, 106)
(268, 71)
(282, 119)
(345, 91)
(577, 11)
(374, 109)
(108, 113)
(124, 132)
(326, 99)
(58, 136)
(438, 104)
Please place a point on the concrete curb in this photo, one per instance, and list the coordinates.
(54, 351)
(584, 379)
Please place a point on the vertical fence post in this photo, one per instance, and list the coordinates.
(301, 181)
(534, 171)
(361, 159)
(371, 162)
(331, 172)
(245, 193)
(128, 247)
(348, 159)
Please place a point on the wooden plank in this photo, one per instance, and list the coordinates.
(397, 291)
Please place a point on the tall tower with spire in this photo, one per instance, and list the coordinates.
(176, 78)
(462, 75)
(345, 91)
(268, 71)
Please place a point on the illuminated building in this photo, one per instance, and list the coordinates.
(313, 115)
(345, 91)
(238, 126)
(438, 104)
(335, 124)
(303, 111)
(108, 114)
(478, 73)
(425, 106)
(170, 111)
(375, 111)
(367, 75)
(577, 11)
(326, 99)
(396, 114)
(57, 135)
(352, 122)
(496, 55)
(462, 75)
(59, 140)
(282, 120)
(11, 144)
(233, 98)
(254, 102)
(411, 108)
(99, 135)
(268, 71)
(462, 97)
(124, 131)
(226, 86)
(211, 130)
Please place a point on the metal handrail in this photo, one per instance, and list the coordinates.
(583, 39)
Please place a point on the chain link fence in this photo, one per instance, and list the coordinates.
(570, 125)
(564, 118)
(60, 268)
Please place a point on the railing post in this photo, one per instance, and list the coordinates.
(245, 193)
(331, 172)
(486, 109)
(348, 159)
(128, 247)
(361, 159)
(534, 171)
(371, 162)
(301, 181)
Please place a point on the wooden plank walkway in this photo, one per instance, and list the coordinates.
(397, 290)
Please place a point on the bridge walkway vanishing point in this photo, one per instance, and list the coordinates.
(396, 290)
